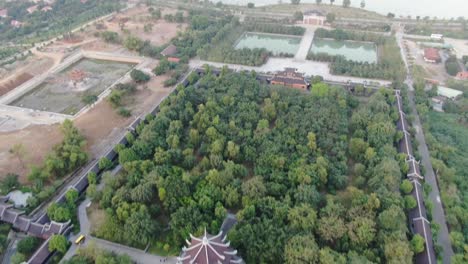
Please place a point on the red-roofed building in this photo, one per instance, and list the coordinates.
(432, 55)
(462, 75)
(3, 13)
(209, 250)
(290, 78)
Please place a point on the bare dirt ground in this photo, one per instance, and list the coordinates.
(15, 74)
(37, 141)
(101, 126)
(138, 17)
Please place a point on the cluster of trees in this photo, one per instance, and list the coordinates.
(25, 248)
(119, 93)
(175, 70)
(178, 17)
(92, 254)
(277, 156)
(144, 47)
(67, 156)
(451, 65)
(111, 37)
(64, 212)
(389, 64)
(446, 135)
(274, 28)
(64, 16)
(4, 231)
(8, 52)
(340, 34)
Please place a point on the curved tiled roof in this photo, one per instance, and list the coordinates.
(208, 250)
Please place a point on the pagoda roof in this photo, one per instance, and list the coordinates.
(208, 249)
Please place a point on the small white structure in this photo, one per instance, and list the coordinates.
(437, 36)
(19, 198)
(449, 93)
(314, 17)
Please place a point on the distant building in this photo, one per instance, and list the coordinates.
(32, 9)
(46, 8)
(437, 36)
(448, 93)
(462, 75)
(208, 250)
(3, 13)
(16, 23)
(169, 52)
(432, 55)
(290, 78)
(314, 17)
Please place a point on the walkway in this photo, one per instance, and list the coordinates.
(309, 68)
(438, 215)
(306, 42)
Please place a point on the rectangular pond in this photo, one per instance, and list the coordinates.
(272, 42)
(63, 92)
(351, 50)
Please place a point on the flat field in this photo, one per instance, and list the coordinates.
(63, 92)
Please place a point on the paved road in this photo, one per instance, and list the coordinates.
(438, 214)
(309, 68)
(139, 256)
(306, 42)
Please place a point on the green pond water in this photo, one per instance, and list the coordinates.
(352, 50)
(273, 43)
(59, 94)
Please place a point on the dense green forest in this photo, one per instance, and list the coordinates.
(447, 138)
(389, 66)
(313, 177)
(65, 15)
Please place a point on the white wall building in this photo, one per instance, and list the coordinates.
(314, 17)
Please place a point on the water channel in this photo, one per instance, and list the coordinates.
(351, 50)
(273, 43)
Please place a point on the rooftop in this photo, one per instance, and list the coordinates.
(208, 249)
(448, 92)
(171, 50)
(431, 54)
(289, 76)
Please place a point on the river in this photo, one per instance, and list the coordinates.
(438, 8)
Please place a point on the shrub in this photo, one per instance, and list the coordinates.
(139, 76)
(124, 112)
(406, 187)
(27, 245)
(410, 202)
(105, 163)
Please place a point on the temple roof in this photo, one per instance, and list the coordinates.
(208, 250)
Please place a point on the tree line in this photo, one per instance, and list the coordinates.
(389, 65)
(64, 16)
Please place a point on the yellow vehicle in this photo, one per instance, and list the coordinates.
(80, 239)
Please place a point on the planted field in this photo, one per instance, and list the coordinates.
(64, 92)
